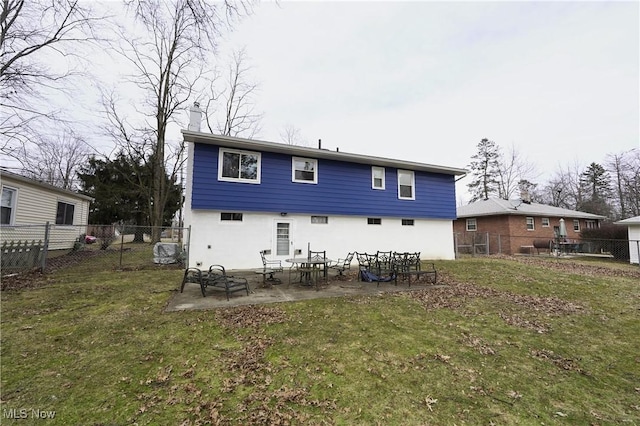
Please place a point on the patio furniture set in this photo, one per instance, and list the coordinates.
(311, 270)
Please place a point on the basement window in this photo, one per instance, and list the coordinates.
(231, 216)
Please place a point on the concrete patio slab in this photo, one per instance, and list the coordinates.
(348, 285)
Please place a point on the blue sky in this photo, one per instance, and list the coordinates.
(426, 81)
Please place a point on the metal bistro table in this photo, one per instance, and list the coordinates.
(309, 269)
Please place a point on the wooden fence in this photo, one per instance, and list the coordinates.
(21, 255)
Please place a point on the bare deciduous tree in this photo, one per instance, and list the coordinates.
(292, 135)
(169, 59)
(56, 161)
(34, 34)
(240, 118)
(513, 169)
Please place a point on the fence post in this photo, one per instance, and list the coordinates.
(45, 248)
(637, 251)
(499, 245)
(488, 248)
(121, 247)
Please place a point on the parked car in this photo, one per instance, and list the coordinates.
(90, 239)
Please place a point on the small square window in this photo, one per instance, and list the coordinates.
(377, 177)
(407, 222)
(319, 219)
(472, 224)
(304, 170)
(231, 216)
(374, 221)
(530, 224)
(545, 222)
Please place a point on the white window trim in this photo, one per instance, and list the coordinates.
(231, 220)
(221, 153)
(293, 170)
(475, 222)
(533, 223)
(576, 225)
(14, 202)
(413, 185)
(373, 170)
(545, 224)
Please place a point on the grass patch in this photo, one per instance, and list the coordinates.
(505, 342)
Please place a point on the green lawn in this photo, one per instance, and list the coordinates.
(507, 341)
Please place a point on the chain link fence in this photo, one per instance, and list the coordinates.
(485, 243)
(49, 247)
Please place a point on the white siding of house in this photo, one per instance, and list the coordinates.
(37, 205)
(236, 245)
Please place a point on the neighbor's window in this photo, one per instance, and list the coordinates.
(406, 185)
(231, 216)
(374, 221)
(407, 222)
(8, 205)
(239, 166)
(377, 177)
(472, 224)
(64, 214)
(576, 225)
(319, 219)
(530, 224)
(545, 222)
(304, 170)
(590, 224)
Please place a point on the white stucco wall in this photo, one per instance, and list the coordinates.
(236, 245)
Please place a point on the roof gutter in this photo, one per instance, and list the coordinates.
(228, 141)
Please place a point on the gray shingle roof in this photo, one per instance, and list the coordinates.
(496, 206)
(630, 221)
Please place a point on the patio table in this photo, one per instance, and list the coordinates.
(313, 268)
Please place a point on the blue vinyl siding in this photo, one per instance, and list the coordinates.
(343, 188)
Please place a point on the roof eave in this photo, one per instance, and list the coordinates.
(254, 144)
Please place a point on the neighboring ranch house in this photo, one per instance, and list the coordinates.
(633, 224)
(244, 196)
(27, 205)
(519, 223)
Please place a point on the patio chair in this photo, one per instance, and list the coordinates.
(320, 255)
(270, 267)
(342, 265)
(365, 262)
(215, 277)
(384, 262)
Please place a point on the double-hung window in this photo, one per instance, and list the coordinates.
(64, 213)
(239, 166)
(576, 225)
(406, 185)
(530, 224)
(377, 177)
(304, 170)
(8, 205)
(472, 224)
